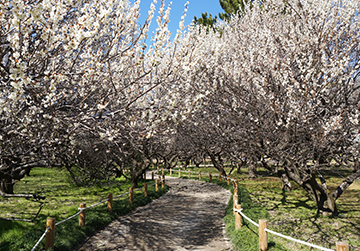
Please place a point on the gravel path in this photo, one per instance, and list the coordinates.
(188, 217)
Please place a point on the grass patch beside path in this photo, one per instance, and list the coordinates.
(289, 213)
(62, 200)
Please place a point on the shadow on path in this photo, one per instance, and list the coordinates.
(188, 217)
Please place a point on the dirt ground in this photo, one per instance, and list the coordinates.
(188, 217)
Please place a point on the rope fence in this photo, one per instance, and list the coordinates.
(50, 223)
(263, 230)
(41, 238)
(263, 240)
(69, 218)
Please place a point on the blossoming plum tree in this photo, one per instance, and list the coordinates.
(80, 88)
(73, 69)
(291, 69)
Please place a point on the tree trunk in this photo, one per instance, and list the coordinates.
(197, 161)
(217, 164)
(286, 185)
(134, 181)
(187, 163)
(138, 169)
(6, 186)
(252, 170)
(345, 184)
(239, 164)
(324, 201)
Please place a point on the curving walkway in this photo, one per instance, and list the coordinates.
(188, 217)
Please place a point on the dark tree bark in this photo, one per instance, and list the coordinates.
(170, 162)
(217, 164)
(325, 201)
(138, 169)
(11, 171)
(345, 184)
(197, 161)
(6, 185)
(239, 164)
(252, 169)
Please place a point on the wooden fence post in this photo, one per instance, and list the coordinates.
(145, 190)
(263, 241)
(152, 175)
(82, 215)
(170, 171)
(179, 172)
(210, 176)
(157, 185)
(237, 217)
(163, 182)
(162, 170)
(235, 200)
(50, 235)
(220, 178)
(124, 171)
(189, 174)
(157, 168)
(236, 190)
(228, 180)
(236, 187)
(110, 202)
(199, 175)
(342, 246)
(131, 195)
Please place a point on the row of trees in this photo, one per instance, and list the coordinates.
(81, 89)
(289, 92)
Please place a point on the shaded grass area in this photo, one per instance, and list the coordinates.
(62, 200)
(291, 213)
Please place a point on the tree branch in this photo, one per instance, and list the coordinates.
(33, 196)
(345, 184)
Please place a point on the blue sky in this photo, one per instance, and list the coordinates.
(196, 7)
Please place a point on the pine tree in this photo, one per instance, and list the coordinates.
(206, 20)
(230, 7)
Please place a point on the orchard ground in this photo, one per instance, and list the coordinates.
(188, 217)
(62, 200)
(291, 213)
(294, 213)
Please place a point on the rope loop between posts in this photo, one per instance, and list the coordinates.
(81, 210)
(298, 241)
(257, 225)
(243, 215)
(69, 218)
(96, 204)
(41, 238)
(281, 235)
(121, 195)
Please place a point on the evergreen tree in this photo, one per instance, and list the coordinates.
(230, 7)
(206, 20)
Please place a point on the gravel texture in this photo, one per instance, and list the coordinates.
(188, 217)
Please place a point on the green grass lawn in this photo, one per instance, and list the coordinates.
(62, 200)
(290, 213)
